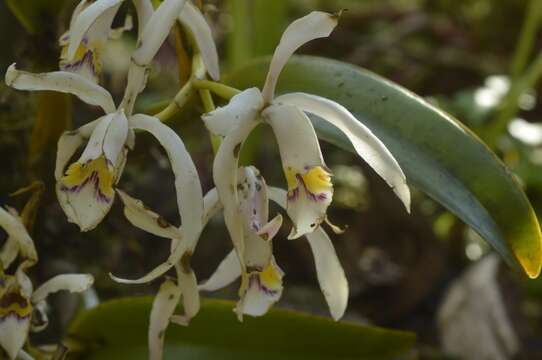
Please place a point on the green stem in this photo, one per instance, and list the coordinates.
(208, 106)
(526, 38)
(510, 106)
(224, 91)
(177, 103)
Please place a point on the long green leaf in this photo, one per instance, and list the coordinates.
(118, 330)
(438, 154)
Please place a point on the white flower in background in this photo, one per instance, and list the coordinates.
(309, 181)
(86, 188)
(19, 302)
(261, 279)
(90, 28)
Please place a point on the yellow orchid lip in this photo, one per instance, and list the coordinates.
(13, 303)
(316, 182)
(97, 173)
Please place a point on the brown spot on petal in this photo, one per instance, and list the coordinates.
(236, 150)
(185, 262)
(162, 222)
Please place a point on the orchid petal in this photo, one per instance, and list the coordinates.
(74, 283)
(315, 25)
(226, 273)
(163, 306)
(98, 15)
(188, 188)
(15, 314)
(328, 268)
(144, 11)
(9, 253)
(263, 289)
(190, 295)
(17, 233)
(145, 219)
(366, 144)
(156, 31)
(69, 142)
(195, 22)
(61, 81)
(86, 191)
(241, 108)
(310, 190)
(225, 178)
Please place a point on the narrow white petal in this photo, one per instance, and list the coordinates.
(145, 219)
(115, 138)
(86, 19)
(61, 81)
(241, 108)
(156, 31)
(17, 233)
(144, 11)
(226, 273)
(95, 145)
(188, 188)
(225, 178)
(137, 79)
(309, 185)
(315, 25)
(366, 144)
(194, 20)
(189, 291)
(163, 307)
(330, 272)
(211, 205)
(74, 283)
(23, 355)
(328, 268)
(9, 252)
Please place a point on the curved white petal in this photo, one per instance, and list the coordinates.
(187, 186)
(315, 25)
(137, 79)
(328, 268)
(144, 11)
(15, 313)
(17, 233)
(9, 252)
(116, 137)
(156, 31)
(61, 81)
(226, 273)
(194, 20)
(190, 295)
(71, 282)
(225, 170)
(366, 144)
(163, 306)
(241, 108)
(309, 186)
(211, 205)
(102, 9)
(146, 219)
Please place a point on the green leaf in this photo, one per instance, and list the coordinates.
(118, 329)
(439, 155)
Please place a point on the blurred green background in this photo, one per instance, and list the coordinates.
(463, 55)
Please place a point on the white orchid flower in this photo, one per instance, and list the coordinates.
(310, 189)
(261, 280)
(18, 299)
(86, 188)
(90, 28)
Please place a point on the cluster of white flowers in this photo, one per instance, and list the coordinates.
(86, 188)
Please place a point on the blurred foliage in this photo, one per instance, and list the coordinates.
(462, 54)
